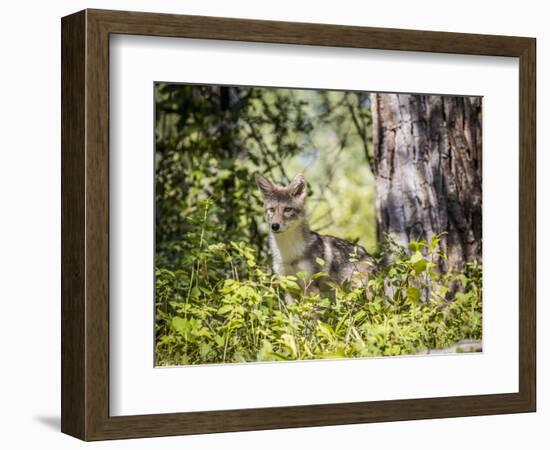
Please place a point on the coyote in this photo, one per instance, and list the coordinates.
(295, 248)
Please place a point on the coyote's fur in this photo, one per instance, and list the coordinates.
(295, 248)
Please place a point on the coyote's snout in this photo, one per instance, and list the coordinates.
(295, 248)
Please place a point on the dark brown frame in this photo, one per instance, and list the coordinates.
(85, 224)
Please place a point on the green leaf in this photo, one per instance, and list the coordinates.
(266, 351)
(415, 257)
(180, 325)
(225, 309)
(219, 340)
(443, 291)
(320, 261)
(435, 242)
(224, 173)
(317, 275)
(418, 263)
(420, 266)
(290, 286)
(415, 246)
(302, 275)
(290, 343)
(338, 354)
(413, 294)
(326, 330)
(204, 349)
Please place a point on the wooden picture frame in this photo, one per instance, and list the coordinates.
(85, 224)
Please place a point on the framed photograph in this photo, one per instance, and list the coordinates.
(273, 225)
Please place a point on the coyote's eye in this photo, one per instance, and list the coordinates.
(289, 210)
(270, 210)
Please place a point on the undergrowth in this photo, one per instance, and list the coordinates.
(219, 304)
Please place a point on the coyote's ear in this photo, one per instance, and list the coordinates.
(265, 186)
(297, 187)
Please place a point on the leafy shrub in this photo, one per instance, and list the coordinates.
(219, 304)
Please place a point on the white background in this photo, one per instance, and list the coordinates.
(136, 387)
(30, 226)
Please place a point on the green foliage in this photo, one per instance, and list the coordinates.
(222, 305)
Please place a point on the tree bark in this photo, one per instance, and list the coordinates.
(428, 165)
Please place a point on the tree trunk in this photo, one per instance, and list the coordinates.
(427, 164)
